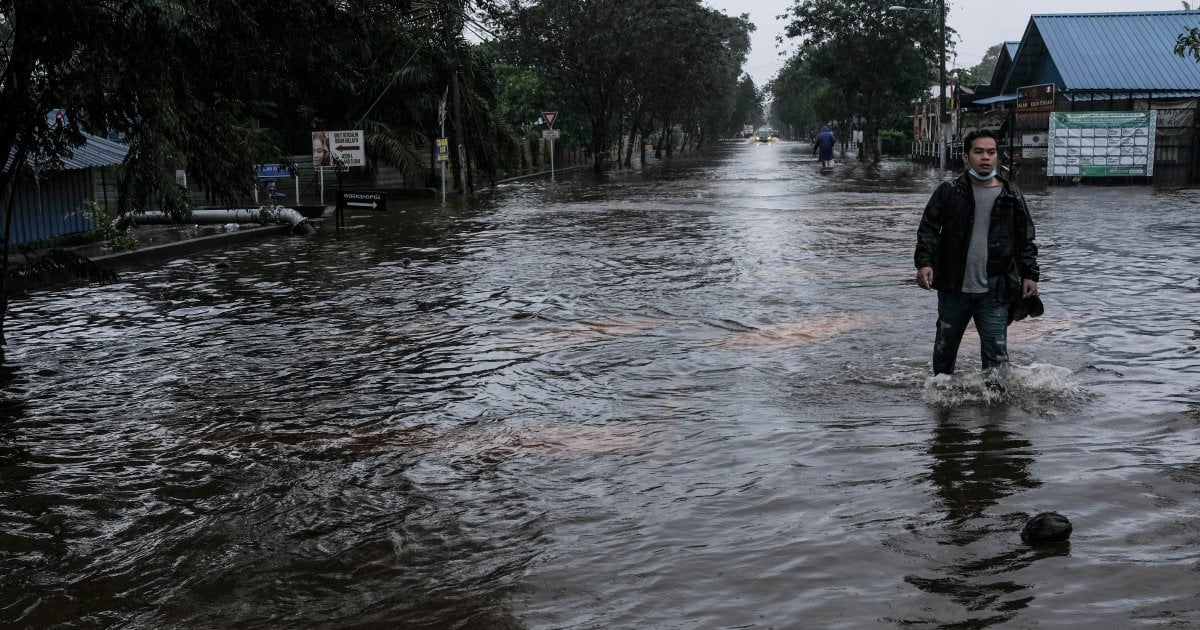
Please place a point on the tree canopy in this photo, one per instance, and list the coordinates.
(1188, 44)
(217, 86)
(981, 72)
(230, 84)
(621, 64)
(872, 61)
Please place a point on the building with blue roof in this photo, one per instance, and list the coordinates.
(1108, 62)
(1098, 56)
(49, 199)
(1008, 52)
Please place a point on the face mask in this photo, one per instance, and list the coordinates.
(982, 178)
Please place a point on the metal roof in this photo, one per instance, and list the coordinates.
(1011, 48)
(1112, 52)
(1004, 60)
(96, 151)
(999, 98)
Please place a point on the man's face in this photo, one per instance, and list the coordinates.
(982, 156)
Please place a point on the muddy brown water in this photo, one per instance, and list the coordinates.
(695, 397)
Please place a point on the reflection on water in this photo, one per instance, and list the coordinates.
(696, 396)
(973, 469)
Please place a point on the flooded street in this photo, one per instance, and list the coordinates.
(696, 397)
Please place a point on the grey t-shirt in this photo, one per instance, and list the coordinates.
(975, 279)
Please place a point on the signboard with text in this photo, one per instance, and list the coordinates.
(345, 148)
(268, 171)
(1034, 145)
(1035, 98)
(368, 199)
(1101, 144)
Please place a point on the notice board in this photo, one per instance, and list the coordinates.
(1101, 144)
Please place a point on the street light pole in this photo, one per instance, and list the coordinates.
(942, 84)
(941, 104)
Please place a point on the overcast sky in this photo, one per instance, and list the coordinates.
(981, 24)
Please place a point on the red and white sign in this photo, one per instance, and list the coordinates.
(550, 117)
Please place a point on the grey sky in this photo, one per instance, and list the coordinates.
(980, 24)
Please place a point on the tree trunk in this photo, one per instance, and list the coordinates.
(460, 134)
(633, 136)
(9, 210)
(877, 142)
(599, 146)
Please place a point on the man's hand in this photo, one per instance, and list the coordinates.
(925, 278)
(1029, 288)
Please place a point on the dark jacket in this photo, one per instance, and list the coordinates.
(824, 144)
(945, 236)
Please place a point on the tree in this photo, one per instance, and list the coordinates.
(585, 48)
(747, 107)
(980, 73)
(593, 54)
(1188, 43)
(135, 68)
(692, 81)
(877, 59)
(218, 86)
(802, 100)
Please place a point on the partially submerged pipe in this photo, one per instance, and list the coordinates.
(278, 214)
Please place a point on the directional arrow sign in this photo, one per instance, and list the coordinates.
(550, 117)
(348, 147)
(373, 199)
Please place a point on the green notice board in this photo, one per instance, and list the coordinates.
(1101, 144)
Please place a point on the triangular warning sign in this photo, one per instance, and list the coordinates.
(549, 117)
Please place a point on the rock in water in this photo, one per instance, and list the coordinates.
(1047, 527)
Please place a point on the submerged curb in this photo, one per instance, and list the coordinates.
(157, 253)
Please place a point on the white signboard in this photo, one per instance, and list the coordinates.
(345, 148)
(1034, 145)
(550, 134)
(1102, 144)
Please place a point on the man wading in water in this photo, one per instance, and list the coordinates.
(976, 247)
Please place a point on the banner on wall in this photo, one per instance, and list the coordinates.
(1101, 144)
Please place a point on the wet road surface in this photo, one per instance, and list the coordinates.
(695, 397)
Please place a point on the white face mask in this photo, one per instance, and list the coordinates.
(982, 178)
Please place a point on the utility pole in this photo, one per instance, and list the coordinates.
(460, 132)
(941, 104)
(942, 126)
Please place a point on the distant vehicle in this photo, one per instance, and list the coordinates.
(765, 134)
(747, 131)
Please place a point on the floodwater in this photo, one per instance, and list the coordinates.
(694, 397)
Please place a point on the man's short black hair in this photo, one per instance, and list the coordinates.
(977, 134)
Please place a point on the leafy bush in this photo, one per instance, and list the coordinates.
(105, 229)
(895, 142)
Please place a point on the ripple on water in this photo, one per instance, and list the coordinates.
(696, 396)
